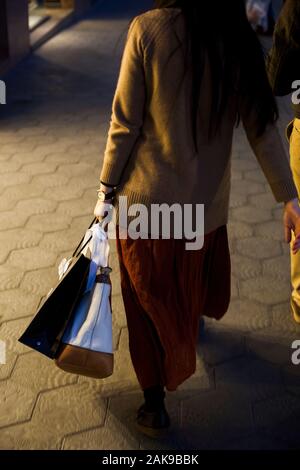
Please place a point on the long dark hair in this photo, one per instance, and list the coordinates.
(220, 29)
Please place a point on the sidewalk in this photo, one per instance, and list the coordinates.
(246, 392)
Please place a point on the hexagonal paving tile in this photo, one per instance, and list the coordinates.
(7, 368)
(39, 281)
(255, 175)
(245, 315)
(68, 409)
(278, 267)
(6, 204)
(291, 378)
(76, 169)
(10, 277)
(28, 157)
(31, 131)
(44, 150)
(245, 166)
(62, 157)
(38, 168)
(283, 320)
(242, 188)
(89, 181)
(36, 206)
(4, 156)
(264, 201)
(48, 222)
(265, 290)
(279, 416)
(31, 258)
(63, 418)
(10, 331)
(76, 207)
(17, 403)
(219, 345)
(245, 268)
(10, 137)
(9, 167)
(251, 379)
(251, 215)
(239, 229)
(201, 380)
(258, 248)
(18, 192)
(86, 149)
(270, 351)
(16, 303)
(61, 240)
(36, 373)
(236, 175)
(63, 193)
(16, 239)
(50, 181)
(271, 229)
(113, 436)
(119, 316)
(13, 178)
(237, 200)
(12, 219)
(278, 214)
(258, 441)
(209, 418)
(234, 287)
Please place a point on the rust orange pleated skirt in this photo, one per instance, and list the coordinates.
(166, 289)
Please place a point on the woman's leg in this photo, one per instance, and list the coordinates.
(146, 355)
(144, 345)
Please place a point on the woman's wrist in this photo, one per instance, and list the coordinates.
(107, 188)
(106, 193)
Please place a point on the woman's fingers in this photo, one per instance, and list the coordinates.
(103, 212)
(287, 234)
(291, 220)
(296, 244)
(102, 208)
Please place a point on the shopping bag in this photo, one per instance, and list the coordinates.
(87, 344)
(257, 11)
(45, 330)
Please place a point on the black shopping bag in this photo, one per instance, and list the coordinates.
(47, 327)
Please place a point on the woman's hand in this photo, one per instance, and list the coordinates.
(103, 209)
(291, 220)
(254, 14)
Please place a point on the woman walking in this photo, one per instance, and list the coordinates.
(187, 77)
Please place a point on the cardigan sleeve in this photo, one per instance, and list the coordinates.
(127, 108)
(271, 156)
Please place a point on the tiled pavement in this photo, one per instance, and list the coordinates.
(245, 394)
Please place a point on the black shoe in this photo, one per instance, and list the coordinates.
(153, 423)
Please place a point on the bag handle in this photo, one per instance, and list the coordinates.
(82, 248)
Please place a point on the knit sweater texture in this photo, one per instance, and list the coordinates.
(150, 155)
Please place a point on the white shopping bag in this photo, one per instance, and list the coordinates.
(87, 343)
(258, 9)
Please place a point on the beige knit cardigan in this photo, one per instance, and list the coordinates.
(150, 154)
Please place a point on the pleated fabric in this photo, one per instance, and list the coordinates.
(166, 289)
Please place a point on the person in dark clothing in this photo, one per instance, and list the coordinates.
(284, 74)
